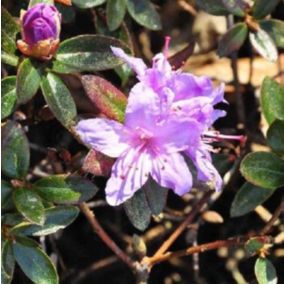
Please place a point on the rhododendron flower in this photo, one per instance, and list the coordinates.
(147, 144)
(40, 29)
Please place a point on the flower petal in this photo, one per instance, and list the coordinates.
(134, 63)
(104, 135)
(129, 173)
(171, 171)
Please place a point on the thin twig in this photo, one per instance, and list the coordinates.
(202, 248)
(273, 219)
(187, 7)
(164, 247)
(104, 236)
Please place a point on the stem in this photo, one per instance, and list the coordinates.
(104, 236)
(202, 248)
(273, 219)
(164, 247)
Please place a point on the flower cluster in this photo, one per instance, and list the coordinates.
(40, 29)
(167, 118)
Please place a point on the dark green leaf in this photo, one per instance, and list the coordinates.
(68, 13)
(156, 196)
(62, 189)
(87, 53)
(9, 59)
(124, 72)
(261, 8)
(6, 196)
(59, 99)
(223, 162)
(265, 272)
(28, 81)
(8, 96)
(248, 198)
(253, 245)
(15, 151)
(263, 169)
(56, 218)
(29, 204)
(275, 29)
(85, 4)
(12, 219)
(9, 30)
(138, 210)
(272, 100)
(34, 262)
(214, 7)
(144, 13)
(264, 45)
(106, 97)
(233, 39)
(34, 2)
(115, 13)
(8, 260)
(236, 7)
(275, 136)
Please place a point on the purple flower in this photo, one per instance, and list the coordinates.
(147, 144)
(40, 28)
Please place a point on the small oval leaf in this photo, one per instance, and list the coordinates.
(115, 12)
(7, 259)
(8, 96)
(275, 136)
(261, 8)
(34, 262)
(86, 4)
(144, 13)
(232, 40)
(214, 7)
(248, 198)
(29, 204)
(263, 169)
(264, 45)
(28, 81)
(272, 100)
(15, 157)
(275, 29)
(6, 196)
(87, 53)
(265, 272)
(59, 99)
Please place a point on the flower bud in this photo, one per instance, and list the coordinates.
(40, 29)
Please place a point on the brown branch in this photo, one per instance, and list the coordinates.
(164, 247)
(187, 7)
(202, 248)
(273, 219)
(104, 236)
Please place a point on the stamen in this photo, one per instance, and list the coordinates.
(166, 47)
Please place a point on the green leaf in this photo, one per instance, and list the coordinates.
(34, 262)
(9, 30)
(29, 204)
(59, 99)
(214, 7)
(275, 29)
(275, 136)
(236, 7)
(15, 157)
(156, 196)
(115, 13)
(28, 81)
(12, 219)
(6, 196)
(272, 100)
(8, 96)
(64, 189)
(265, 272)
(232, 40)
(87, 53)
(8, 261)
(68, 13)
(144, 13)
(85, 4)
(34, 2)
(264, 44)
(253, 245)
(248, 198)
(263, 169)
(261, 8)
(57, 218)
(106, 97)
(9, 59)
(138, 210)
